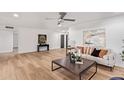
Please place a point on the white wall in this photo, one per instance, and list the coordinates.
(6, 41)
(28, 39)
(54, 40)
(114, 35)
(75, 37)
(114, 28)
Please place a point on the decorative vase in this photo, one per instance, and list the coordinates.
(72, 57)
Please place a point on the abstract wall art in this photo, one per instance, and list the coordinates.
(94, 38)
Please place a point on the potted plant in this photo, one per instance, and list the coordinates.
(122, 55)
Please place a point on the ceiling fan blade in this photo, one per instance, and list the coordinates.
(69, 19)
(62, 15)
(50, 18)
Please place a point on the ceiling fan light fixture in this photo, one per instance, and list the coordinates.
(15, 15)
(59, 25)
(60, 20)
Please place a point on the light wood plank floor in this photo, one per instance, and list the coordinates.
(37, 66)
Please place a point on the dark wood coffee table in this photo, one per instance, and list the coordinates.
(76, 69)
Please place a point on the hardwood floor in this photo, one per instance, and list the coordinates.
(37, 66)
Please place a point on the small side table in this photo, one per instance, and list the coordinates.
(42, 45)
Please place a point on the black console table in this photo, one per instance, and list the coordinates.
(43, 45)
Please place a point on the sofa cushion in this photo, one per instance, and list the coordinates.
(81, 49)
(102, 61)
(92, 58)
(84, 56)
(88, 50)
(98, 60)
(95, 53)
(91, 50)
(85, 50)
(102, 53)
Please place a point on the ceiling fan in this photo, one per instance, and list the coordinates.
(61, 18)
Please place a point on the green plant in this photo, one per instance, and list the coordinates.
(122, 55)
(123, 52)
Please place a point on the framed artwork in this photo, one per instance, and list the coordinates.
(94, 38)
(42, 38)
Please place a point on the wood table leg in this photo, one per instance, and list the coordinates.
(91, 75)
(53, 69)
(94, 72)
(79, 76)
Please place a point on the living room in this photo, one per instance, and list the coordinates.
(20, 31)
(61, 46)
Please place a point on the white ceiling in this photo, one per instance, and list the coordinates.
(38, 19)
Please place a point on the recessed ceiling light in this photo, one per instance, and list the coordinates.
(16, 15)
(59, 25)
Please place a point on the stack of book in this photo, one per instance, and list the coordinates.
(79, 62)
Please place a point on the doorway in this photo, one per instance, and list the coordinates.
(64, 41)
(15, 41)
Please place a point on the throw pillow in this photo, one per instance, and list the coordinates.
(95, 53)
(81, 49)
(102, 53)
